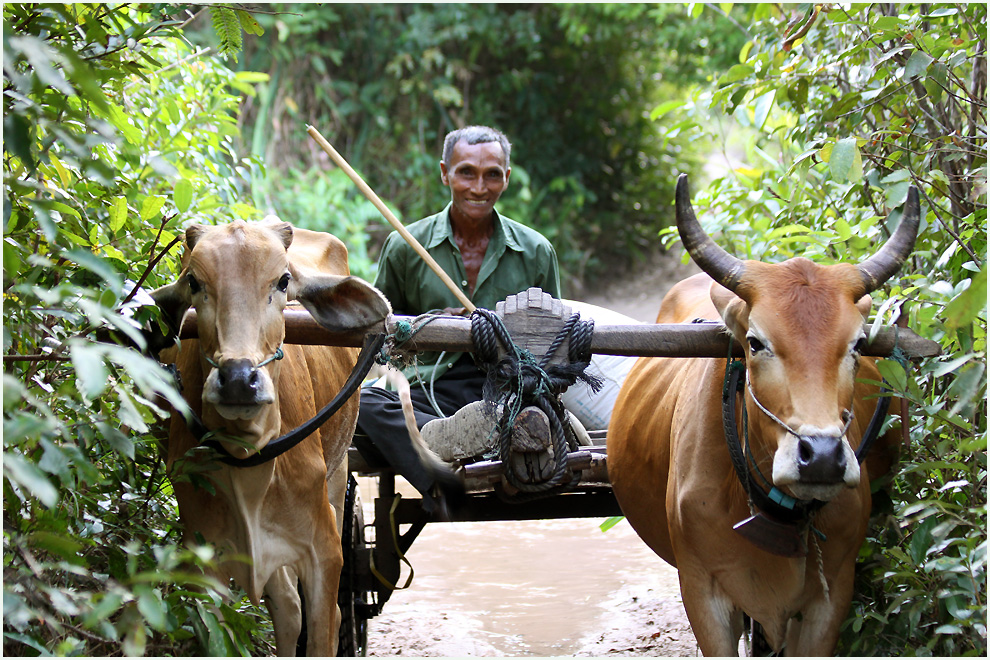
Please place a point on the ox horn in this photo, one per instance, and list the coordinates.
(884, 264)
(719, 264)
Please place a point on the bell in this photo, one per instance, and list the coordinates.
(774, 536)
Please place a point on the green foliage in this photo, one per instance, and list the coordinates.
(108, 153)
(845, 109)
(330, 202)
(117, 136)
(568, 83)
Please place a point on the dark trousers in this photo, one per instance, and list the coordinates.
(381, 434)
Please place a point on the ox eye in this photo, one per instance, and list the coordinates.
(283, 283)
(755, 345)
(194, 285)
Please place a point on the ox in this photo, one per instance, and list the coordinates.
(248, 389)
(804, 413)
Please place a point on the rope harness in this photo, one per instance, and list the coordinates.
(278, 446)
(518, 380)
(764, 496)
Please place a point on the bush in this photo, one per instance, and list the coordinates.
(848, 107)
(108, 153)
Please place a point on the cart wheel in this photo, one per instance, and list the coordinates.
(353, 602)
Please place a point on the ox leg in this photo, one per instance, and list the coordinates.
(320, 576)
(716, 623)
(284, 606)
(322, 618)
(336, 493)
(817, 631)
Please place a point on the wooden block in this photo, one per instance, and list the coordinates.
(533, 319)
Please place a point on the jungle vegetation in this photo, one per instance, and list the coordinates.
(124, 123)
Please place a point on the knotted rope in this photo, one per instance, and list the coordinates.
(517, 380)
(393, 355)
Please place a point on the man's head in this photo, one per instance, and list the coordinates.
(475, 167)
(475, 135)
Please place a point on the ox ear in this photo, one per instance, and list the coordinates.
(193, 233)
(173, 300)
(864, 305)
(733, 310)
(339, 303)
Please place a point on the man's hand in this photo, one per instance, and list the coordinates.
(454, 311)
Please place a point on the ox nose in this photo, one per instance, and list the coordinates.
(238, 382)
(821, 459)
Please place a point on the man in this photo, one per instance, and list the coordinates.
(491, 257)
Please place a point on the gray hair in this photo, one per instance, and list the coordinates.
(475, 135)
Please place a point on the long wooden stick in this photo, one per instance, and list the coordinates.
(392, 220)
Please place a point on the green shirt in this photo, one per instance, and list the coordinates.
(517, 258)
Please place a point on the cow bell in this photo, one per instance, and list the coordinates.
(780, 538)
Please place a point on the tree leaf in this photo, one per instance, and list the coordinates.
(182, 195)
(91, 372)
(150, 207)
(96, 265)
(966, 307)
(845, 162)
(17, 138)
(228, 29)
(763, 106)
(118, 214)
(119, 119)
(63, 174)
(917, 64)
(151, 607)
(27, 475)
(248, 22)
(57, 544)
(41, 57)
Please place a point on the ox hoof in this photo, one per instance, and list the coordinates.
(530, 457)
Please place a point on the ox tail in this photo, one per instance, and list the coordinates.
(451, 487)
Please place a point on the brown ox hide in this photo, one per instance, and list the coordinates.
(279, 515)
(801, 324)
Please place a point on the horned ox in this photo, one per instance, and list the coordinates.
(239, 278)
(801, 326)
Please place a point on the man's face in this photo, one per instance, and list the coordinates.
(477, 177)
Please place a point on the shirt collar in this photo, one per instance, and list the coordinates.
(442, 231)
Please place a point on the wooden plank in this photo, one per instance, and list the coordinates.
(589, 503)
(647, 339)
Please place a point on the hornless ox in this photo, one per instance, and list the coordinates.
(279, 514)
(802, 329)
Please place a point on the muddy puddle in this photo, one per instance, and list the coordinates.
(532, 588)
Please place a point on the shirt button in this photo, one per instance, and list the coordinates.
(463, 282)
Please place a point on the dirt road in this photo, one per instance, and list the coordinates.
(541, 588)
